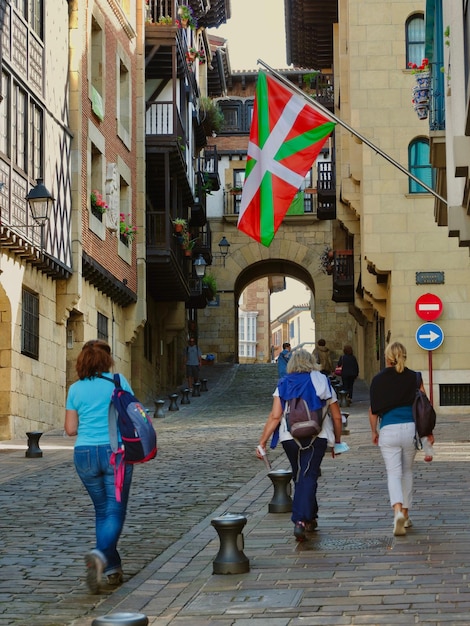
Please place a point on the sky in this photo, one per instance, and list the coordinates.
(255, 31)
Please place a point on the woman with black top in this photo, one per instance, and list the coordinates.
(349, 370)
(392, 392)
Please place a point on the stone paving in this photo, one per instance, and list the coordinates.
(352, 571)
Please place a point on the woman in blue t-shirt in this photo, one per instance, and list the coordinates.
(392, 392)
(86, 416)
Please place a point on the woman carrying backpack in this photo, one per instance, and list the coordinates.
(305, 381)
(86, 416)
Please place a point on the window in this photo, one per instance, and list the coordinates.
(31, 11)
(102, 327)
(21, 128)
(96, 77)
(97, 166)
(415, 34)
(30, 325)
(247, 333)
(419, 165)
(5, 116)
(237, 115)
(123, 104)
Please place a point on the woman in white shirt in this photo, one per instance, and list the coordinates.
(305, 381)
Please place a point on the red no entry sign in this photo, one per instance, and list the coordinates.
(428, 306)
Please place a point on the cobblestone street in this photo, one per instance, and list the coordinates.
(47, 521)
(351, 572)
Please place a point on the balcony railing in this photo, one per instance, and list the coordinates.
(304, 203)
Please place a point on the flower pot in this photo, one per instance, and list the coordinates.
(184, 22)
(178, 228)
(188, 253)
(422, 112)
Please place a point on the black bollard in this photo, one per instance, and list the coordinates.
(185, 397)
(343, 398)
(281, 501)
(33, 451)
(159, 408)
(196, 390)
(230, 558)
(204, 384)
(173, 406)
(121, 619)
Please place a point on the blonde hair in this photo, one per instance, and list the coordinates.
(395, 353)
(301, 361)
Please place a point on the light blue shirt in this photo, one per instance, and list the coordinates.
(90, 397)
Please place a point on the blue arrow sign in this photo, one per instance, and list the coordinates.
(429, 336)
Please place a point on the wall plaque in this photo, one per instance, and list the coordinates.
(430, 278)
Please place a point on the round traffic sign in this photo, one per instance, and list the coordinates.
(429, 336)
(428, 306)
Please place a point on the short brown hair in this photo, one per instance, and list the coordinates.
(94, 359)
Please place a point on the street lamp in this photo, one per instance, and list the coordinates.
(40, 202)
(200, 266)
(223, 247)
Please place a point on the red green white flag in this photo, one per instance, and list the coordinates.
(286, 136)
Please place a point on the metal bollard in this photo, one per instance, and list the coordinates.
(185, 398)
(159, 408)
(173, 406)
(121, 619)
(230, 558)
(33, 451)
(204, 385)
(343, 399)
(196, 390)
(281, 501)
(344, 420)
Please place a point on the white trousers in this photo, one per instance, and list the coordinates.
(398, 450)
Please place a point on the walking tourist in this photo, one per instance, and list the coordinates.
(321, 354)
(349, 370)
(86, 416)
(304, 380)
(283, 360)
(193, 358)
(392, 392)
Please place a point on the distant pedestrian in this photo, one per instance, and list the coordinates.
(392, 392)
(193, 361)
(349, 370)
(283, 360)
(86, 416)
(322, 356)
(305, 381)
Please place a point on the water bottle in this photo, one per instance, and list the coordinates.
(427, 449)
(262, 451)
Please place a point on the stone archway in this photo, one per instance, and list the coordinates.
(295, 255)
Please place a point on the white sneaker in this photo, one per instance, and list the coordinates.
(408, 523)
(399, 525)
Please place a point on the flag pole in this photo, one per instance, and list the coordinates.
(363, 139)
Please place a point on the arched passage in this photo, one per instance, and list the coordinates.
(265, 269)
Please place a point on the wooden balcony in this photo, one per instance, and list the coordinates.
(343, 276)
(326, 190)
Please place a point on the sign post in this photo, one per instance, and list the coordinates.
(429, 336)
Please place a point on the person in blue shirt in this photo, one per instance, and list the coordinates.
(86, 416)
(283, 360)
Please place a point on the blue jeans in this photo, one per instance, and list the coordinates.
(304, 503)
(97, 474)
